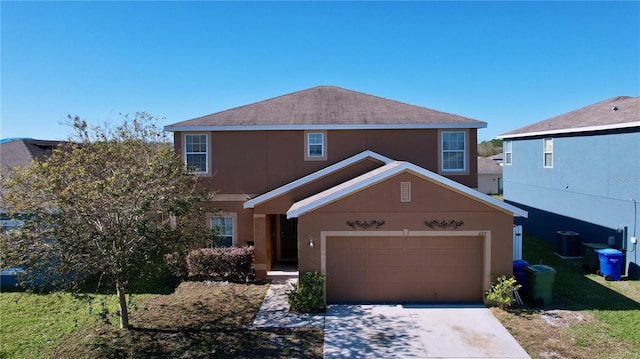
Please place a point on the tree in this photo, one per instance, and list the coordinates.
(489, 148)
(109, 203)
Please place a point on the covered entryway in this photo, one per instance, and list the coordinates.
(287, 242)
(413, 268)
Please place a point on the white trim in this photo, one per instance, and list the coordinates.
(508, 149)
(387, 171)
(464, 153)
(544, 152)
(614, 126)
(316, 175)
(206, 153)
(172, 128)
(486, 260)
(234, 223)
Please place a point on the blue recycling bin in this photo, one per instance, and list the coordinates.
(519, 273)
(610, 263)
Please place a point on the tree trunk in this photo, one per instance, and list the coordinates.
(122, 301)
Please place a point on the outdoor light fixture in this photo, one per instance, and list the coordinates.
(311, 242)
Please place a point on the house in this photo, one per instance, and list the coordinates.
(373, 193)
(580, 172)
(19, 152)
(490, 174)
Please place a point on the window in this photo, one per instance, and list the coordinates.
(316, 147)
(453, 151)
(548, 152)
(224, 231)
(196, 154)
(507, 152)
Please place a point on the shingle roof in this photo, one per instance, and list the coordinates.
(20, 152)
(328, 106)
(614, 113)
(489, 165)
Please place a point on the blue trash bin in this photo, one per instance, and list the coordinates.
(519, 273)
(610, 263)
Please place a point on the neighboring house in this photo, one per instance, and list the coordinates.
(580, 172)
(490, 174)
(375, 194)
(19, 152)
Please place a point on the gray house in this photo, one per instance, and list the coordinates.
(19, 152)
(580, 172)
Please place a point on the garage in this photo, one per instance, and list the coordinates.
(402, 234)
(415, 268)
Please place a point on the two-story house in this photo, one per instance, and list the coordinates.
(373, 193)
(580, 172)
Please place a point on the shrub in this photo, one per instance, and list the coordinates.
(232, 264)
(177, 263)
(308, 296)
(502, 291)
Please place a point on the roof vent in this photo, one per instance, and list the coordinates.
(405, 192)
(614, 109)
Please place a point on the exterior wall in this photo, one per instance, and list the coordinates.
(594, 184)
(282, 203)
(254, 162)
(489, 183)
(429, 202)
(243, 225)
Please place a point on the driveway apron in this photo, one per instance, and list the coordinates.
(397, 331)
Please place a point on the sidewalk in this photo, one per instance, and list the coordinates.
(274, 311)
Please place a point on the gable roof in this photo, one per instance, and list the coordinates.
(387, 171)
(21, 151)
(614, 113)
(325, 108)
(490, 165)
(315, 176)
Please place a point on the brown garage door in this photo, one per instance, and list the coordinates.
(404, 269)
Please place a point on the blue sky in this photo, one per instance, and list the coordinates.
(506, 63)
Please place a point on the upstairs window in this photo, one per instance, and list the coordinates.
(316, 146)
(548, 152)
(507, 152)
(195, 152)
(453, 151)
(223, 227)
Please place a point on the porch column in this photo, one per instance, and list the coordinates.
(261, 242)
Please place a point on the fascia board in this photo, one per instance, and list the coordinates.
(171, 128)
(571, 130)
(316, 175)
(321, 199)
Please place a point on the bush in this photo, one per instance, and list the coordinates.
(502, 291)
(308, 296)
(232, 264)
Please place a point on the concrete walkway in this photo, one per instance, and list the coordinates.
(274, 311)
(393, 331)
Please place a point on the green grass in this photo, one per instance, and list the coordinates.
(594, 318)
(194, 321)
(33, 324)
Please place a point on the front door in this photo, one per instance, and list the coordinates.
(288, 243)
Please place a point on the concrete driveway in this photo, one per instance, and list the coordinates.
(420, 331)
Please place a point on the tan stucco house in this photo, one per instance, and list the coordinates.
(376, 194)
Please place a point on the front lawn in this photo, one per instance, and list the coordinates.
(198, 320)
(589, 317)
